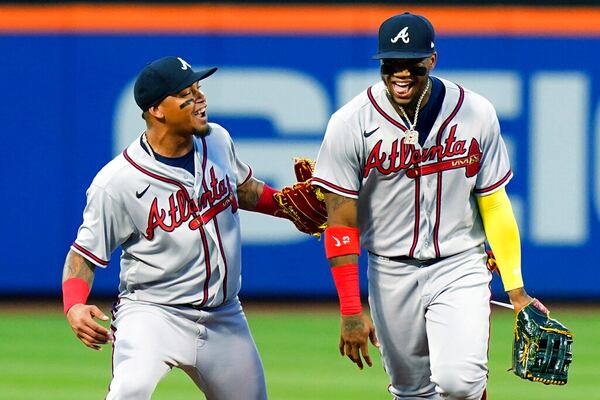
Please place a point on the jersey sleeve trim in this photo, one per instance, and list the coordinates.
(495, 185)
(335, 188)
(248, 177)
(89, 255)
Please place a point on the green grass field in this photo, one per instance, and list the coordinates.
(41, 359)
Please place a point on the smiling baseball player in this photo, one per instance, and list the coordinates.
(415, 168)
(171, 201)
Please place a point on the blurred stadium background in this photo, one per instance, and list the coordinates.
(67, 74)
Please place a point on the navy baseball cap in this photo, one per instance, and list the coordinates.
(164, 77)
(405, 36)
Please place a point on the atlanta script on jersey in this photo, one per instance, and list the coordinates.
(364, 156)
(179, 233)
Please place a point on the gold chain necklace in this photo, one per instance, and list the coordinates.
(411, 135)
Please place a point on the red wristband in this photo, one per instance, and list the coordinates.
(266, 204)
(75, 291)
(341, 241)
(346, 283)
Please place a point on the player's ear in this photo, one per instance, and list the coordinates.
(156, 112)
(433, 60)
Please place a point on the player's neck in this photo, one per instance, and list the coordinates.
(169, 144)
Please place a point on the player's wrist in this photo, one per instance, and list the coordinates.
(75, 291)
(266, 204)
(519, 298)
(341, 241)
(346, 282)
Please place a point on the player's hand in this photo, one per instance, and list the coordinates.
(519, 299)
(81, 318)
(355, 329)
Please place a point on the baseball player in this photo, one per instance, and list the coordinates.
(171, 201)
(414, 170)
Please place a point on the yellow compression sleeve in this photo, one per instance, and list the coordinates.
(502, 234)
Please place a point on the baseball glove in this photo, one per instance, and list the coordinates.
(541, 347)
(491, 263)
(303, 203)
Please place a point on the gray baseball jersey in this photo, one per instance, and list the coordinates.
(364, 156)
(180, 270)
(179, 233)
(418, 217)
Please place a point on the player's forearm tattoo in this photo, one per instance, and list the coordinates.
(249, 193)
(77, 266)
(335, 202)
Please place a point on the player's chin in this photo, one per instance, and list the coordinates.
(201, 130)
(402, 100)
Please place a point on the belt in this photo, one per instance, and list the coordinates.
(197, 307)
(411, 260)
(207, 308)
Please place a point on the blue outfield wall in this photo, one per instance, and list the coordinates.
(67, 109)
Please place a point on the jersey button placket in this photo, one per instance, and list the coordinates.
(428, 224)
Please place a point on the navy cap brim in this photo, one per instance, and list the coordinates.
(402, 55)
(195, 77)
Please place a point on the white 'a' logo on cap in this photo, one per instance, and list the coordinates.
(184, 64)
(403, 34)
